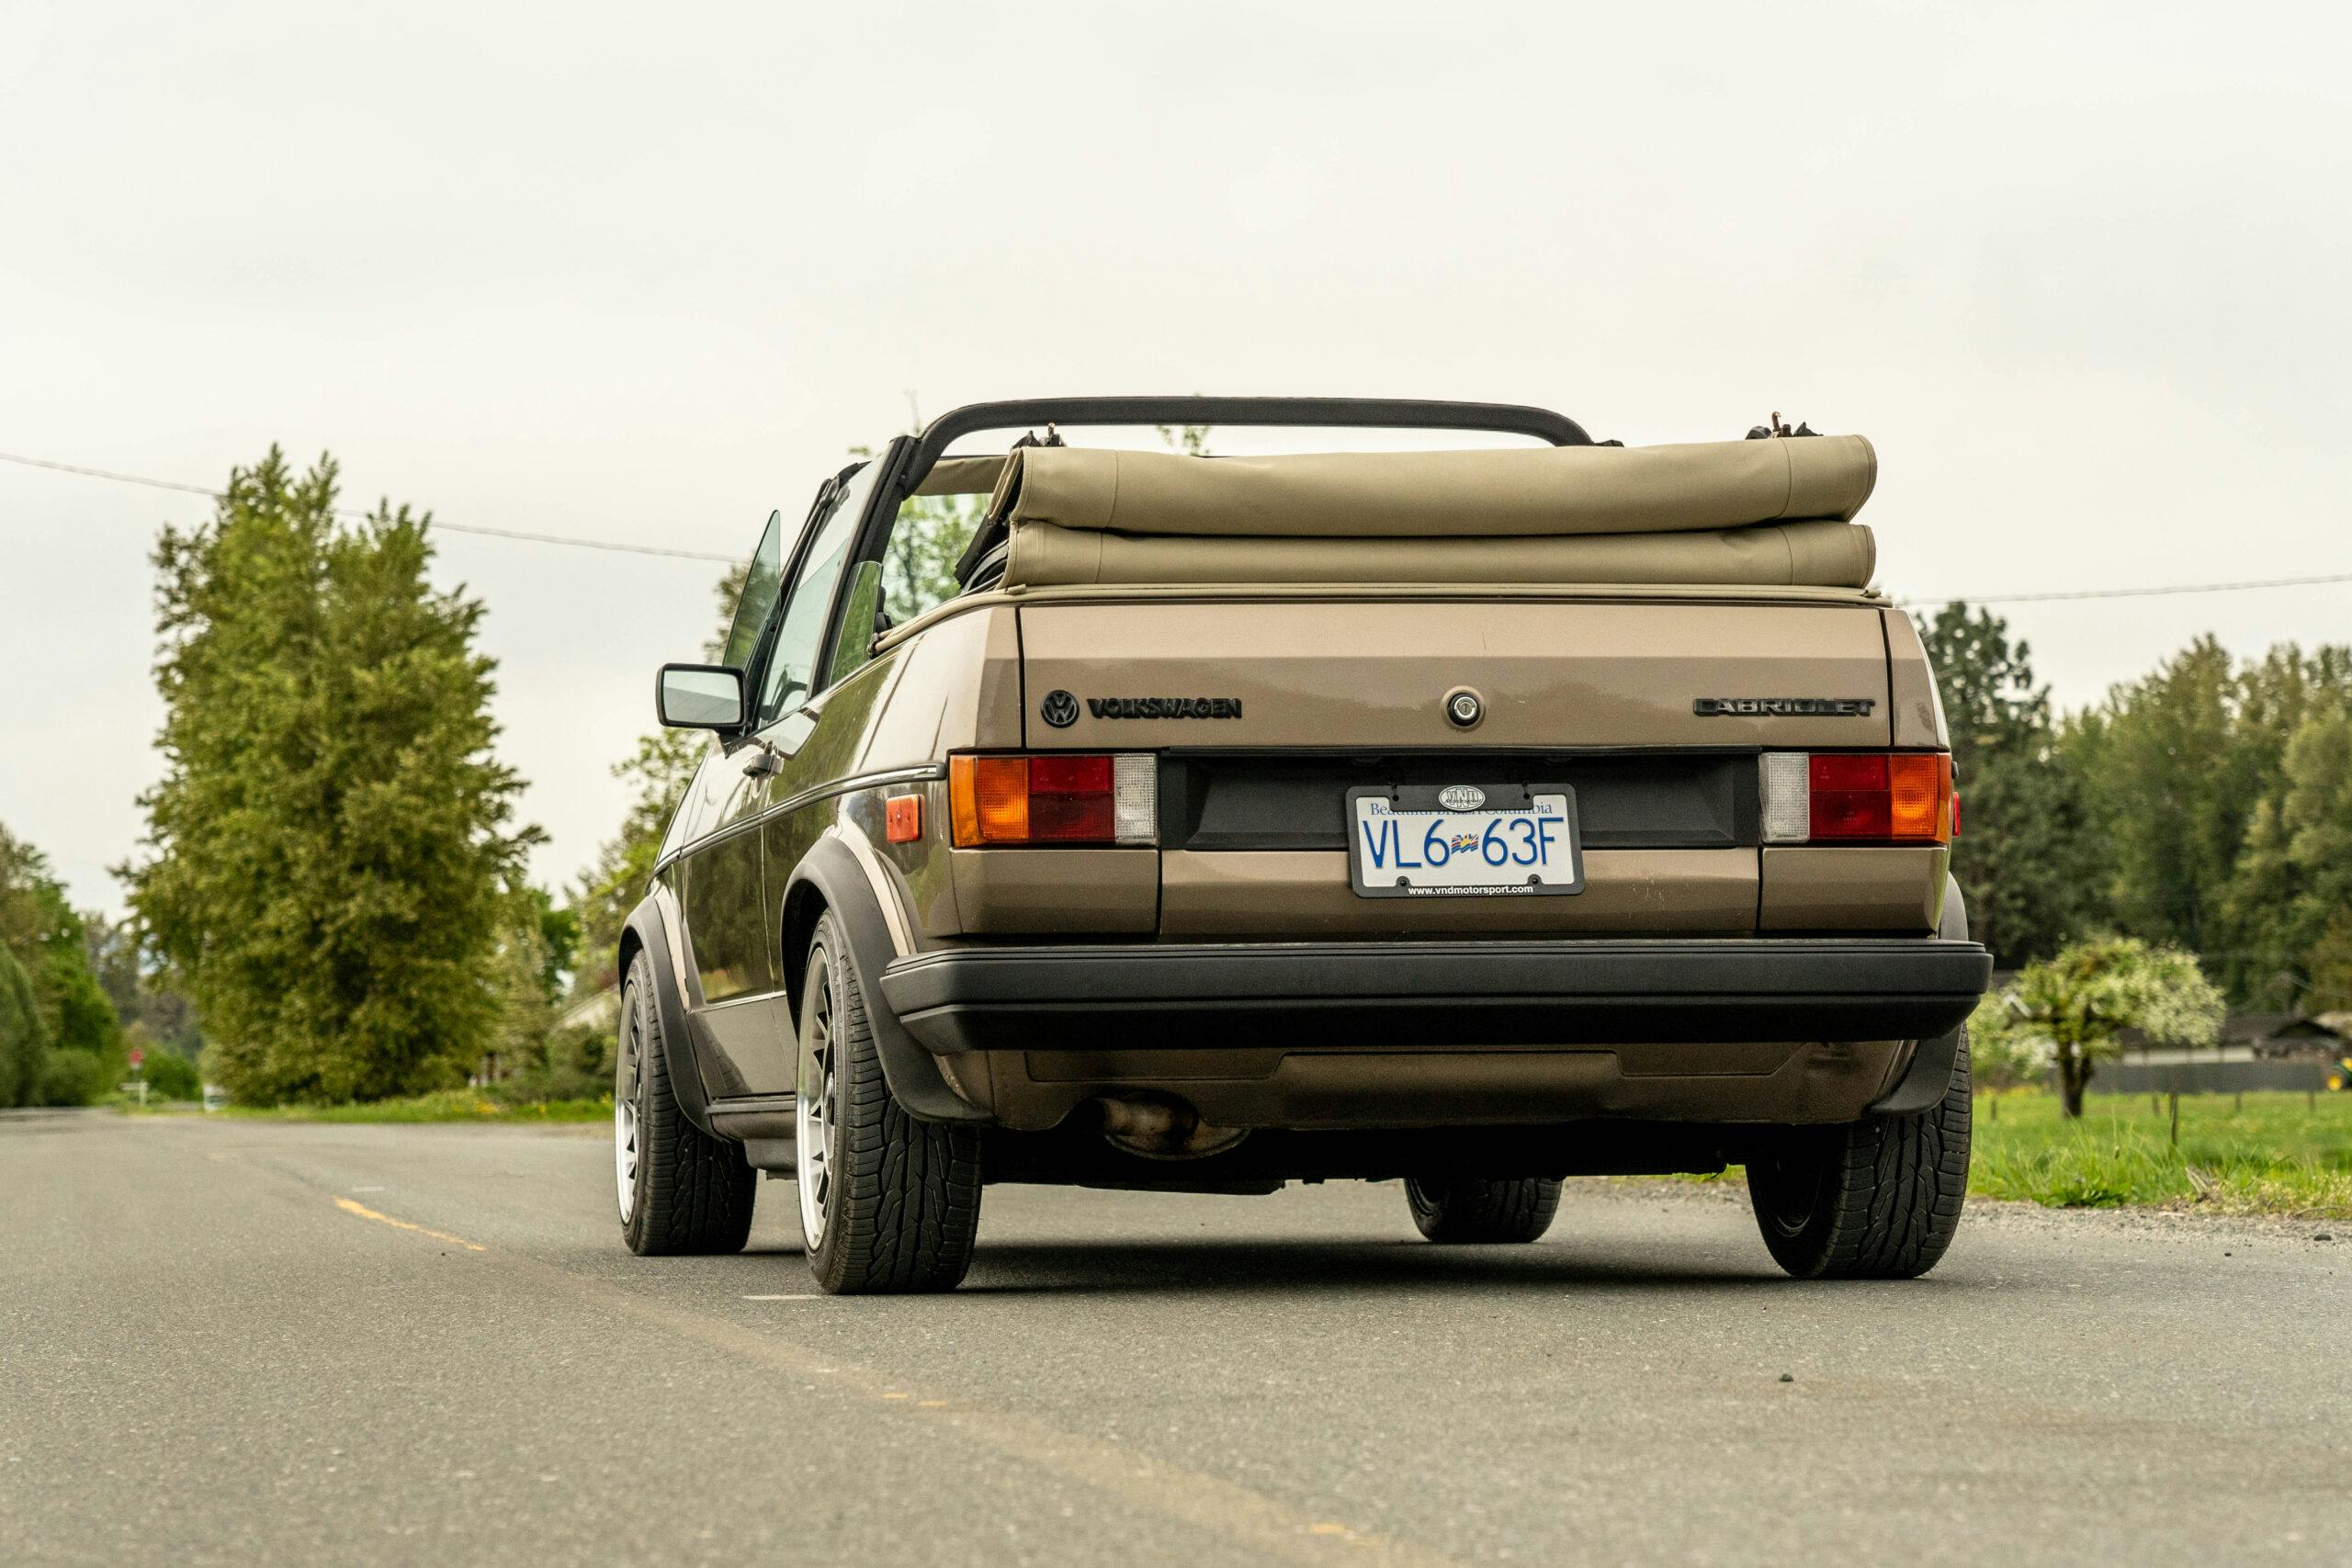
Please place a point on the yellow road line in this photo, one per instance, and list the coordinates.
(1238, 1513)
(364, 1213)
(1272, 1529)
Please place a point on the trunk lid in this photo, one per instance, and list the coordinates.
(1265, 712)
(1309, 675)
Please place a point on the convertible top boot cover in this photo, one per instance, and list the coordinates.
(1766, 513)
(1809, 554)
(1410, 495)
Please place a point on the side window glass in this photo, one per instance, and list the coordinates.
(792, 662)
(919, 561)
(761, 580)
(861, 623)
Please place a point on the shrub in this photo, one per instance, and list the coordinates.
(171, 1076)
(72, 1077)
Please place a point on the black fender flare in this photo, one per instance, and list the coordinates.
(1930, 1074)
(648, 929)
(829, 877)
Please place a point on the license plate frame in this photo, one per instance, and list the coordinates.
(1421, 801)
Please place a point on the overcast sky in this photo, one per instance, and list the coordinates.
(643, 273)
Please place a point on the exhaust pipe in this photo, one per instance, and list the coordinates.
(1162, 1127)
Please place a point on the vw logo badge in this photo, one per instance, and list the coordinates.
(1059, 709)
(1461, 797)
(1462, 706)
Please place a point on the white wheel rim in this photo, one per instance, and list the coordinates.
(815, 1124)
(625, 1118)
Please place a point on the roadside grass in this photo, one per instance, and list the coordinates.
(450, 1105)
(2277, 1154)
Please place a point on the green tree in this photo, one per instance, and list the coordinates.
(81, 1045)
(2153, 761)
(2069, 1009)
(2179, 768)
(2289, 900)
(330, 847)
(2025, 858)
(657, 773)
(24, 1039)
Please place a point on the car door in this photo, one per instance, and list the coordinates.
(721, 881)
(811, 743)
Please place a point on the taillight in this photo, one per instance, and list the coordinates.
(1054, 797)
(1902, 797)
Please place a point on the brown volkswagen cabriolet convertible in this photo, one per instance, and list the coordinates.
(1473, 817)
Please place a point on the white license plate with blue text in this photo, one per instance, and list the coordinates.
(1408, 843)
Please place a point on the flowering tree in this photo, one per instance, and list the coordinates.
(2069, 1009)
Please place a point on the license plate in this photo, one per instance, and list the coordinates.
(1407, 842)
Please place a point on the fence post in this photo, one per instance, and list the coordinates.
(2176, 1119)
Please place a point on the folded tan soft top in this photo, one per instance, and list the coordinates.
(1767, 512)
(1548, 489)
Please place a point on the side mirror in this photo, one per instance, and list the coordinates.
(699, 696)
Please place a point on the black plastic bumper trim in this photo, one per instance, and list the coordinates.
(1517, 993)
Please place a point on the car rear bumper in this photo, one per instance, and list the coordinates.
(1496, 993)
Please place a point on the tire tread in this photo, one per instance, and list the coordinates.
(908, 1204)
(1892, 1197)
(696, 1193)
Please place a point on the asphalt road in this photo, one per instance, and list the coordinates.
(236, 1342)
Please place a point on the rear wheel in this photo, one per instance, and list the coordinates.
(681, 1191)
(1879, 1198)
(1473, 1211)
(887, 1203)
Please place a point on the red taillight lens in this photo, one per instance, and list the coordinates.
(1051, 798)
(1905, 797)
(1849, 797)
(1069, 799)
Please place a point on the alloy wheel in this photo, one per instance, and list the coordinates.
(625, 1086)
(818, 1120)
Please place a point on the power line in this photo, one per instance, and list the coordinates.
(578, 543)
(2132, 592)
(573, 540)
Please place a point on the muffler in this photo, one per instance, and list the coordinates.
(1162, 1127)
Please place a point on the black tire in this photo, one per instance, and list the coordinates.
(685, 1192)
(1879, 1198)
(1483, 1212)
(894, 1203)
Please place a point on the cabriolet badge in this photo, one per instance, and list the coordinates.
(1784, 707)
(1461, 797)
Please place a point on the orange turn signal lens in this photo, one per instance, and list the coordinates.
(988, 798)
(1917, 788)
(902, 818)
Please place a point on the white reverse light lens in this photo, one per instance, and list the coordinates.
(1135, 797)
(1788, 797)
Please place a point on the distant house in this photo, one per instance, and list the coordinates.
(2256, 1051)
(2261, 1036)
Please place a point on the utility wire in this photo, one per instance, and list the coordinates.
(578, 543)
(2131, 592)
(358, 515)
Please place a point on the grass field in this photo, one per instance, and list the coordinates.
(450, 1105)
(2278, 1154)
